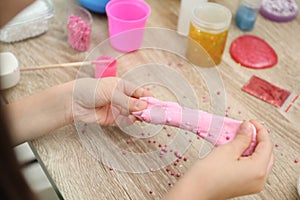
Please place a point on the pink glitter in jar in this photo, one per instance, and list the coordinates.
(79, 28)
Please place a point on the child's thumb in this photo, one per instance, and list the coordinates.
(243, 138)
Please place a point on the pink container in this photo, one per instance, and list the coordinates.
(126, 22)
(79, 28)
(105, 69)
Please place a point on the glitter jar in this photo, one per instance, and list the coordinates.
(209, 28)
(79, 26)
(246, 14)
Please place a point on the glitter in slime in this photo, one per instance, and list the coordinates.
(197, 121)
(213, 43)
(253, 52)
(279, 10)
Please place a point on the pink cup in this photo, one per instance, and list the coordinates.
(126, 22)
(105, 69)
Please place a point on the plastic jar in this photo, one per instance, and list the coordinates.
(209, 28)
(246, 14)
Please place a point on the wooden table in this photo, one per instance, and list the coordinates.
(78, 175)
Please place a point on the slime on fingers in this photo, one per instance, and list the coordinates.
(215, 129)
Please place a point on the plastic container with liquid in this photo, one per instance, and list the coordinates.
(208, 29)
(30, 22)
(246, 14)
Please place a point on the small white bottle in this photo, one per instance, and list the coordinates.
(185, 14)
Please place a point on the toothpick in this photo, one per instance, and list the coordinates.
(64, 65)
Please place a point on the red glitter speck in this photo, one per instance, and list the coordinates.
(296, 161)
(178, 174)
(149, 141)
(154, 141)
(168, 169)
(276, 145)
(110, 168)
(164, 149)
(218, 93)
(159, 145)
(172, 173)
(150, 191)
(227, 138)
(128, 141)
(175, 163)
(180, 64)
(185, 158)
(170, 184)
(169, 134)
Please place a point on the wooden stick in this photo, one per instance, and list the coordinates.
(64, 65)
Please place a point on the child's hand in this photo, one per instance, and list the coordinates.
(107, 100)
(224, 173)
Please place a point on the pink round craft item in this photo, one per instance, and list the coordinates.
(279, 10)
(253, 52)
(105, 69)
(126, 22)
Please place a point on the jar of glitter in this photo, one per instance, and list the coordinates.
(246, 14)
(208, 34)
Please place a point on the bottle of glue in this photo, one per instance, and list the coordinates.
(185, 14)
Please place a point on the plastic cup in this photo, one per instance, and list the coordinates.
(209, 28)
(103, 69)
(126, 22)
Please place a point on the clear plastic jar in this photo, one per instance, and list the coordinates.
(209, 28)
(246, 14)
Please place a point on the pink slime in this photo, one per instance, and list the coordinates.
(216, 129)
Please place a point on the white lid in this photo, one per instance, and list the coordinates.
(8, 63)
(212, 16)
